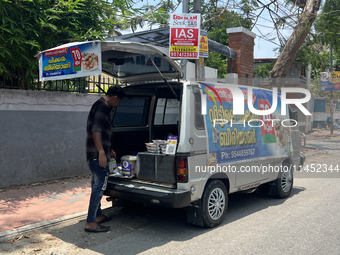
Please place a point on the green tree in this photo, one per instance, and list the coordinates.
(328, 23)
(327, 29)
(263, 70)
(29, 26)
(295, 41)
(217, 20)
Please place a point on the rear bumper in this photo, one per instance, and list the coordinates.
(148, 194)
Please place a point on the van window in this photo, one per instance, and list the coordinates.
(137, 108)
(134, 64)
(199, 122)
(167, 112)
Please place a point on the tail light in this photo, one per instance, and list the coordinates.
(182, 170)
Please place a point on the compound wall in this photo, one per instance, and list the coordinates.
(42, 135)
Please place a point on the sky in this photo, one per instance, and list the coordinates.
(264, 48)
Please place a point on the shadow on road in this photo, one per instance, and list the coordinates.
(324, 145)
(140, 229)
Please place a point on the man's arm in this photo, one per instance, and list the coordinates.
(97, 138)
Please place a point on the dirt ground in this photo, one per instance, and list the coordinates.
(72, 239)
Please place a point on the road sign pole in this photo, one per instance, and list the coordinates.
(185, 9)
(331, 112)
(199, 64)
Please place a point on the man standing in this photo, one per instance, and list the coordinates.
(98, 154)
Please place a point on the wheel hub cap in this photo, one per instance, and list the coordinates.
(216, 204)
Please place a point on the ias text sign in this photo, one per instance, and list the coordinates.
(185, 35)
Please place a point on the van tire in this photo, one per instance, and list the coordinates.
(215, 194)
(284, 182)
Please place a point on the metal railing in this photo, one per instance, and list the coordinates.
(77, 85)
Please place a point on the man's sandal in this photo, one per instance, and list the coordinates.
(98, 229)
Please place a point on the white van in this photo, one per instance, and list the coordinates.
(218, 152)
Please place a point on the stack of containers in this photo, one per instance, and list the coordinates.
(157, 146)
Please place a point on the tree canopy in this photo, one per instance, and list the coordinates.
(29, 26)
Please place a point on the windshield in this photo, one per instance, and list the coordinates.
(134, 64)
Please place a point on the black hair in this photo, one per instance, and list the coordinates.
(116, 90)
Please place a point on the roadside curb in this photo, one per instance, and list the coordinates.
(47, 225)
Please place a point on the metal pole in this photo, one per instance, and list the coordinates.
(199, 66)
(185, 9)
(331, 69)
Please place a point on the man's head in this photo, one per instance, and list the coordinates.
(114, 95)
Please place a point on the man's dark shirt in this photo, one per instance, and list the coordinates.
(98, 121)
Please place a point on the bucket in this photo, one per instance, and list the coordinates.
(128, 165)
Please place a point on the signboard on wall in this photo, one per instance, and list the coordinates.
(70, 61)
(184, 35)
(330, 81)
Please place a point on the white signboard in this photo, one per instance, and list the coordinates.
(185, 35)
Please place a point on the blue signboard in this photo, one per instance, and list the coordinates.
(70, 61)
(330, 81)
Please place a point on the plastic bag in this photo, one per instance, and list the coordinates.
(112, 165)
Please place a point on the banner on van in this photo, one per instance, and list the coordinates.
(240, 137)
(74, 60)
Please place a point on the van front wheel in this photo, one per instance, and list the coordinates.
(214, 203)
(284, 182)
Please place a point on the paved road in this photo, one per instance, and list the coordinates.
(306, 223)
(324, 145)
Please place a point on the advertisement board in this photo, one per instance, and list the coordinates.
(330, 81)
(184, 35)
(239, 137)
(70, 61)
(204, 44)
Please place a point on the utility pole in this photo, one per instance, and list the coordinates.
(199, 65)
(185, 9)
(331, 69)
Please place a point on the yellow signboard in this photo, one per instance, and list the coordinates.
(204, 44)
(184, 48)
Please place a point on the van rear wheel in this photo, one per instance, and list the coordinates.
(284, 182)
(214, 203)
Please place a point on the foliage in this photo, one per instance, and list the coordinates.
(29, 26)
(216, 61)
(151, 15)
(327, 36)
(328, 23)
(216, 27)
(263, 70)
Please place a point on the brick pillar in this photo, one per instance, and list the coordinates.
(242, 41)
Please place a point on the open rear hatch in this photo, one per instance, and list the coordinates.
(131, 62)
(147, 113)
